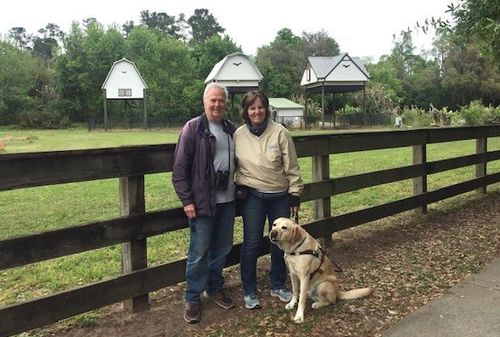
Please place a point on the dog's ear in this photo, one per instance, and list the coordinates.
(296, 234)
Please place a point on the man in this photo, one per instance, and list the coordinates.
(203, 180)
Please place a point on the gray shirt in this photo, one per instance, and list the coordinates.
(223, 160)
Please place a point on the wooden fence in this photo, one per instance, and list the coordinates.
(130, 164)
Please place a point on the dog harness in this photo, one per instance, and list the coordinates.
(320, 254)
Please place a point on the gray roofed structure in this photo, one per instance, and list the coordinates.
(333, 74)
(340, 73)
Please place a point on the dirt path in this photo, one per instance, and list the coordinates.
(407, 258)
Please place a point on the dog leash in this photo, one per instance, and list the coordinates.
(295, 216)
(336, 267)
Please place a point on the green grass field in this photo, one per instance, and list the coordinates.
(31, 210)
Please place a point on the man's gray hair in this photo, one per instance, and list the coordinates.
(213, 85)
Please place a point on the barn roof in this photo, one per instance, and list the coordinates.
(214, 74)
(113, 66)
(324, 65)
(341, 73)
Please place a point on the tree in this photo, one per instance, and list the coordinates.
(21, 37)
(403, 54)
(473, 21)
(169, 71)
(470, 76)
(384, 73)
(211, 51)
(20, 75)
(286, 36)
(282, 63)
(183, 28)
(89, 22)
(377, 101)
(479, 21)
(203, 25)
(319, 44)
(162, 22)
(47, 44)
(425, 87)
(127, 27)
(71, 75)
(411, 71)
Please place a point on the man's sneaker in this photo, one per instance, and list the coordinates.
(283, 294)
(192, 312)
(220, 298)
(252, 302)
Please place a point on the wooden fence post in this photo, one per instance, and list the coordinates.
(134, 253)
(481, 147)
(322, 207)
(420, 183)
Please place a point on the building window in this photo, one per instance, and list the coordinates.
(308, 75)
(124, 92)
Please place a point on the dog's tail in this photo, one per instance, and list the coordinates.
(355, 293)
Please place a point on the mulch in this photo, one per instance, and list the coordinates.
(410, 259)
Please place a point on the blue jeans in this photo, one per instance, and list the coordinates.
(254, 211)
(211, 239)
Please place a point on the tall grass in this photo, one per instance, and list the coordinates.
(31, 210)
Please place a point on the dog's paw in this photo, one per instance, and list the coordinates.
(290, 305)
(299, 319)
(317, 305)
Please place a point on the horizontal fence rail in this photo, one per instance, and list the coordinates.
(75, 239)
(48, 168)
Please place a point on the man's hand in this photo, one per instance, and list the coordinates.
(190, 211)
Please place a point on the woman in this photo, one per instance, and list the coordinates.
(268, 168)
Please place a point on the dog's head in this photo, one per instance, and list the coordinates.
(285, 233)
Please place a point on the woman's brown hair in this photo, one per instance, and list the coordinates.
(249, 99)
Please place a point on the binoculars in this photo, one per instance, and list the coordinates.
(221, 180)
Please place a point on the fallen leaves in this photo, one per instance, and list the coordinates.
(408, 260)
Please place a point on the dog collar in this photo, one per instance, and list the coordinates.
(315, 253)
(293, 252)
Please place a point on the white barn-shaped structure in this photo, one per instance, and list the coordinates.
(124, 82)
(237, 72)
(333, 74)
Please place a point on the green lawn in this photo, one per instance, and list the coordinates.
(30, 210)
(15, 141)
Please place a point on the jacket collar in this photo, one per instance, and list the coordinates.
(227, 125)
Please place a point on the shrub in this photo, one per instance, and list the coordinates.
(350, 116)
(443, 117)
(43, 120)
(477, 114)
(313, 113)
(417, 117)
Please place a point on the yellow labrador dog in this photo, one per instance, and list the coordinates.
(309, 268)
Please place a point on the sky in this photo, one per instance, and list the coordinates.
(362, 28)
